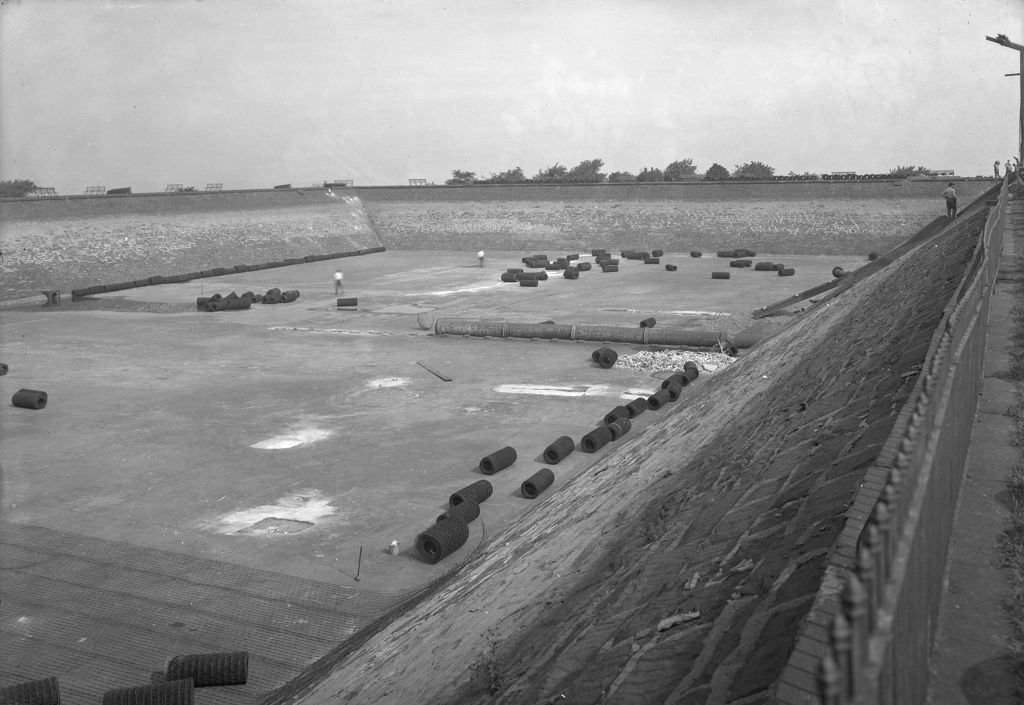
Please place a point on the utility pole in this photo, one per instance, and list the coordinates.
(1002, 40)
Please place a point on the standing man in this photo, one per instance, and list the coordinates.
(480, 256)
(950, 195)
(995, 169)
(339, 288)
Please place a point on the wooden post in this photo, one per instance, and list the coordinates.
(880, 519)
(868, 579)
(855, 609)
(841, 649)
(830, 682)
(873, 542)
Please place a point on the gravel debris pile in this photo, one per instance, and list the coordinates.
(673, 360)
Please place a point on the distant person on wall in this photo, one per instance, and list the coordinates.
(950, 195)
(995, 169)
(339, 288)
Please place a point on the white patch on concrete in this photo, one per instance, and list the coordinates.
(696, 313)
(463, 290)
(309, 506)
(634, 393)
(387, 382)
(596, 390)
(294, 438)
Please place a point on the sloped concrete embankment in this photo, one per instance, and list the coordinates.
(779, 218)
(75, 243)
(680, 567)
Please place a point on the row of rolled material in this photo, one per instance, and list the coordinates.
(763, 266)
(235, 301)
(451, 529)
(172, 687)
(570, 267)
(215, 272)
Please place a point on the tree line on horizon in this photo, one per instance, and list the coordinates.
(586, 172)
(589, 172)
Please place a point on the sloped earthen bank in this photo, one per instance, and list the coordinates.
(679, 568)
(805, 218)
(75, 243)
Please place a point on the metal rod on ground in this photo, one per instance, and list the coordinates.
(359, 563)
(434, 372)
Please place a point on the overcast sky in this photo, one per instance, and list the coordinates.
(253, 93)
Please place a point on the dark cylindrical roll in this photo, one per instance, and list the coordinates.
(442, 539)
(467, 510)
(619, 412)
(674, 391)
(658, 399)
(606, 357)
(228, 668)
(637, 407)
(178, 692)
(498, 460)
(596, 439)
(619, 428)
(537, 483)
(557, 451)
(675, 378)
(44, 691)
(479, 491)
(29, 399)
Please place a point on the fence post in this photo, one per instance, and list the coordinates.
(869, 581)
(883, 520)
(893, 493)
(830, 681)
(855, 608)
(841, 649)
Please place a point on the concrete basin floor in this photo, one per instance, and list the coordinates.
(297, 440)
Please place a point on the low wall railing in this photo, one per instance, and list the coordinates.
(868, 635)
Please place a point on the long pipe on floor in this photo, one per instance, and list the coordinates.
(605, 334)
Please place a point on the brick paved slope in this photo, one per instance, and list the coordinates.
(679, 569)
(141, 606)
(750, 521)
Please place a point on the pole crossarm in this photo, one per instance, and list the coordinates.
(1004, 41)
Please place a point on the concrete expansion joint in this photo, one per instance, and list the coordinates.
(1008, 413)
